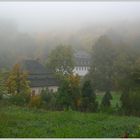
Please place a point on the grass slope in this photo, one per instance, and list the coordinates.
(22, 122)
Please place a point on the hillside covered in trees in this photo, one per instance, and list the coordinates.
(17, 45)
(70, 69)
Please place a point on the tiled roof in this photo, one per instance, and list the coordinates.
(43, 82)
(38, 75)
(33, 67)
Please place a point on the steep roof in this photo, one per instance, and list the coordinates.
(43, 82)
(39, 76)
(82, 58)
(33, 67)
(82, 54)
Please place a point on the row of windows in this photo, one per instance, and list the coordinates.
(83, 62)
(82, 68)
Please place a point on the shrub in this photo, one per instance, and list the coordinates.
(45, 95)
(20, 99)
(35, 101)
(106, 103)
(131, 102)
(88, 98)
(48, 99)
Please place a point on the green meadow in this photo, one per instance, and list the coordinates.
(19, 122)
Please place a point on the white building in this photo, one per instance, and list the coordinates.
(82, 63)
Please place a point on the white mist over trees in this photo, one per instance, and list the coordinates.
(30, 30)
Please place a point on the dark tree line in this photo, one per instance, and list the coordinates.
(116, 67)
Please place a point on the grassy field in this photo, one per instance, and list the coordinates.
(23, 122)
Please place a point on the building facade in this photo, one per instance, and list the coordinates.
(82, 63)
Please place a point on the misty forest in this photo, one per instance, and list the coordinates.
(69, 70)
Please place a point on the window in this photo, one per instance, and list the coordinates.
(33, 93)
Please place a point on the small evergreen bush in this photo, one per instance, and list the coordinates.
(20, 99)
(106, 101)
(88, 101)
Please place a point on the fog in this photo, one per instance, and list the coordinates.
(31, 29)
(45, 16)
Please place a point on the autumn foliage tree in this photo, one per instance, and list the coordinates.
(17, 81)
(2, 85)
(69, 92)
(74, 88)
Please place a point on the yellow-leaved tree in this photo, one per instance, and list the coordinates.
(69, 93)
(17, 82)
